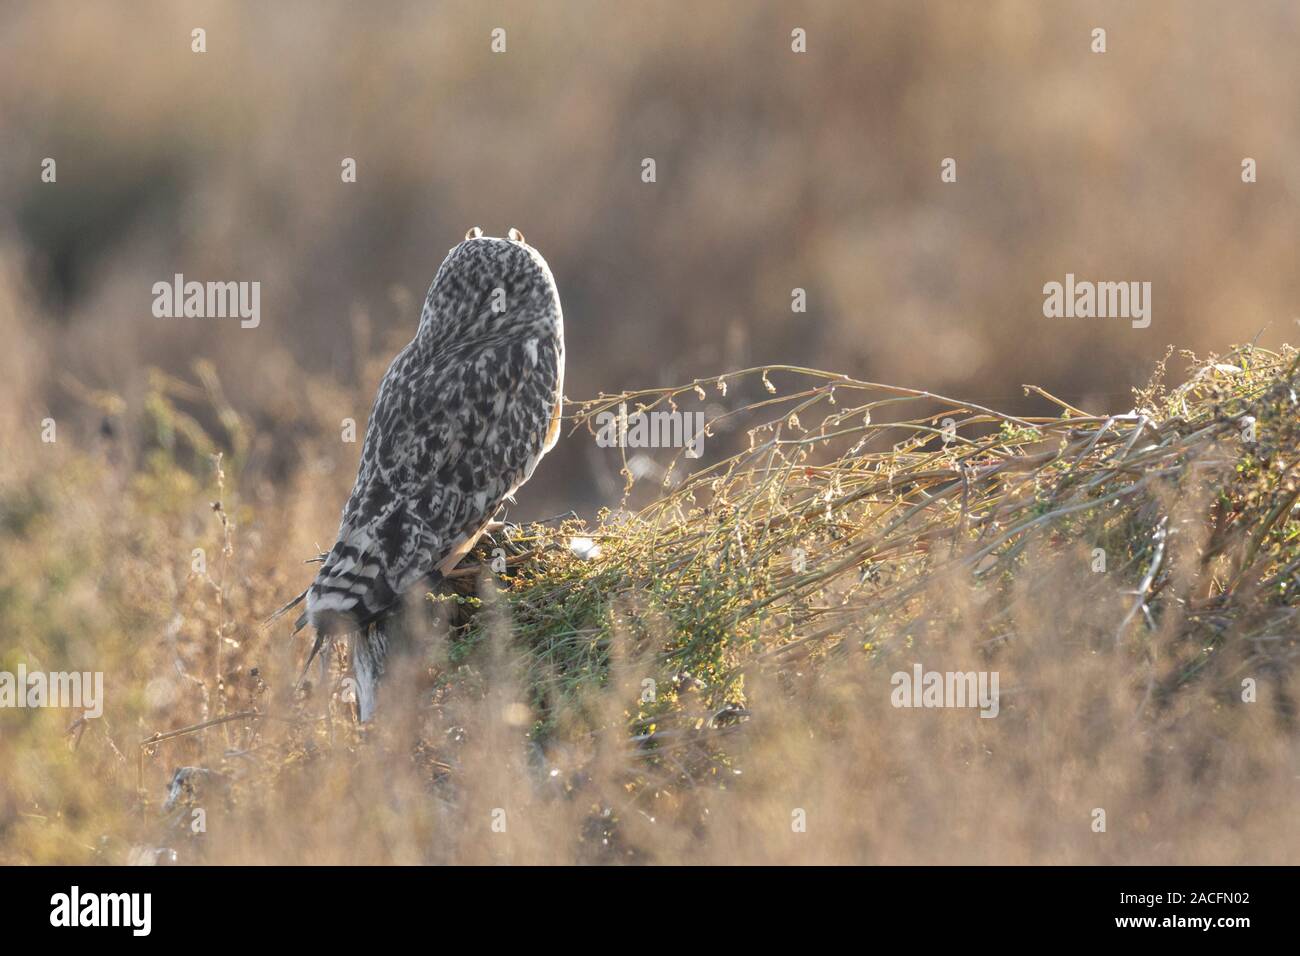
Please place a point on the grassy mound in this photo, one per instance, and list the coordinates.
(1177, 519)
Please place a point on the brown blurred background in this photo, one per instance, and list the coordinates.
(775, 170)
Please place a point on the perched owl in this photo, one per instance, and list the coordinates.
(462, 417)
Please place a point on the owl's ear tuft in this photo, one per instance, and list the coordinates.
(515, 235)
(474, 232)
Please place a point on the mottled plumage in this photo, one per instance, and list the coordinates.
(461, 419)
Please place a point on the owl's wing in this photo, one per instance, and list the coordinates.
(449, 439)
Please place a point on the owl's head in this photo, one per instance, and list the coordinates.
(488, 285)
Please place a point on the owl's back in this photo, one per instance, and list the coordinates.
(461, 419)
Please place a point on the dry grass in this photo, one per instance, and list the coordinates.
(768, 596)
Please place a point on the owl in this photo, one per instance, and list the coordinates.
(462, 417)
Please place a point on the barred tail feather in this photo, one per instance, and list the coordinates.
(369, 655)
(353, 596)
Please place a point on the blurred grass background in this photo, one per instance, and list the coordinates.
(775, 171)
